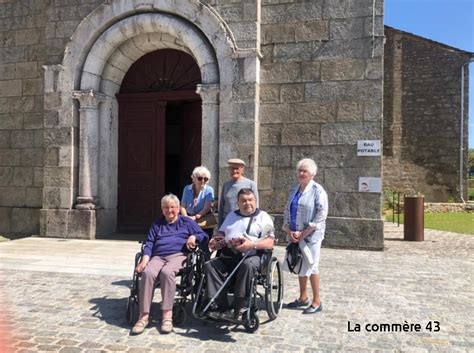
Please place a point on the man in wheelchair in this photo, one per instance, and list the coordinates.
(240, 241)
(163, 256)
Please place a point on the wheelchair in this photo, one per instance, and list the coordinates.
(187, 278)
(266, 291)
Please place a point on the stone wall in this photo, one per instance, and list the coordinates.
(320, 92)
(422, 95)
(22, 54)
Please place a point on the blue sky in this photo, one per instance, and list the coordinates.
(447, 21)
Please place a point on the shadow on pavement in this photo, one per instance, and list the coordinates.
(110, 310)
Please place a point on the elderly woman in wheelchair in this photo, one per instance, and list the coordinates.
(245, 241)
(161, 259)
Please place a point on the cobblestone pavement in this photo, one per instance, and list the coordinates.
(414, 283)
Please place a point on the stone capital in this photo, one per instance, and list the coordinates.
(209, 93)
(89, 99)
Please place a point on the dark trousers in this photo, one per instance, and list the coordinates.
(219, 268)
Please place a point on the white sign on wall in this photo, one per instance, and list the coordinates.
(368, 184)
(368, 148)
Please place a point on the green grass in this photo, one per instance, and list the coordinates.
(471, 193)
(462, 222)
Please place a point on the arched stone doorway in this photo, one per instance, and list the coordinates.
(159, 134)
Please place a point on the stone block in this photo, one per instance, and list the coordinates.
(278, 33)
(32, 157)
(313, 112)
(38, 176)
(346, 9)
(26, 70)
(312, 31)
(64, 29)
(106, 221)
(54, 223)
(22, 176)
(11, 121)
(38, 138)
(81, 224)
(292, 92)
(351, 49)
(265, 175)
(270, 134)
(347, 28)
(374, 69)
(52, 100)
(6, 176)
(10, 88)
(7, 71)
(281, 72)
(22, 139)
(12, 54)
(27, 37)
(285, 178)
(269, 93)
(25, 220)
(5, 105)
(34, 197)
(288, 52)
(354, 233)
(51, 118)
(5, 139)
(349, 133)
(57, 176)
(300, 134)
(292, 12)
(274, 113)
(9, 157)
(243, 91)
(231, 13)
(5, 215)
(12, 196)
(35, 53)
(279, 156)
(343, 90)
(310, 71)
(345, 69)
(373, 110)
(273, 201)
(58, 137)
(350, 111)
(238, 133)
(22, 104)
(355, 205)
(32, 87)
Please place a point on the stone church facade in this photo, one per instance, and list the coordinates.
(272, 82)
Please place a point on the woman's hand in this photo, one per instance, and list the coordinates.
(191, 243)
(216, 243)
(141, 266)
(296, 236)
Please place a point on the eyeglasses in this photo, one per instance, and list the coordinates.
(203, 178)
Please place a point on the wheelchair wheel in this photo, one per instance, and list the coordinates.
(274, 289)
(179, 314)
(132, 310)
(251, 320)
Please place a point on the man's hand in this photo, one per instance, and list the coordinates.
(245, 246)
(141, 266)
(191, 243)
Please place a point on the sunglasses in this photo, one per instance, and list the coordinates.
(203, 178)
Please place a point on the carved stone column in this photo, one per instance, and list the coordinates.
(210, 130)
(88, 148)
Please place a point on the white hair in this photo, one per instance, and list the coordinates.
(168, 199)
(309, 164)
(201, 170)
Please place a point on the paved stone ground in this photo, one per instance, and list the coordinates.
(412, 283)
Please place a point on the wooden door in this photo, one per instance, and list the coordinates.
(191, 139)
(141, 161)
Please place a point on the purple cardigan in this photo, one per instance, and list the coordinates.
(167, 239)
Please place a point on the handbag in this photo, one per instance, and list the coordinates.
(207, 221)
(293, 258)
